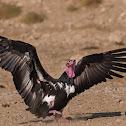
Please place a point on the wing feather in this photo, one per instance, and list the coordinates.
(94, 69)
(95, 75)
(22, 61)
(99, 74)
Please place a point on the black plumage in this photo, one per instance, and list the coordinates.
(95, 68)
(40, 91)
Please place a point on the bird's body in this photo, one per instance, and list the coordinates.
(45, 95)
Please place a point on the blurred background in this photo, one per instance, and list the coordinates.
(62, 30)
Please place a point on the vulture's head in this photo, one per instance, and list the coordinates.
(70, 67)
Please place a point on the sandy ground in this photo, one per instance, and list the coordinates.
(62, 36)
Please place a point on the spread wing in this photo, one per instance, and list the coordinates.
(22, 61)
(95, 68)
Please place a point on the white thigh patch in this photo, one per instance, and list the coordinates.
(50, 100)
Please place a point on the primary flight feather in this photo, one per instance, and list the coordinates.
(42, 93)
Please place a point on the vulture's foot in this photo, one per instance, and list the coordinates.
(58, 115)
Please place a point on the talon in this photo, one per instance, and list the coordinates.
(55, 113)
(66, 120)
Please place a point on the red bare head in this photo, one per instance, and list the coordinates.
(70, 67)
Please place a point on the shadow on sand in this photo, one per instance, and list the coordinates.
(81, 116)
(86, 116)
(37, 121)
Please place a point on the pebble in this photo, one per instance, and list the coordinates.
(118, 120)
(118, 99)
(15, 102)
(1, 86)
(103, 10)
(6, 104)
(123, 113)
(123, 15)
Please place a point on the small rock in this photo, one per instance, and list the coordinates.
(118, 99)
(122, 15)
(103, 10)
(119, 43)
(15, 102)
(1, 86)
(118, 120)
(123, 113)
(6, 104)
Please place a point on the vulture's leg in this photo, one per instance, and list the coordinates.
(58, 115)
